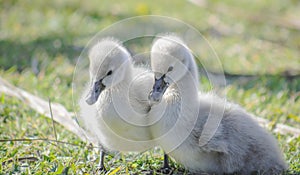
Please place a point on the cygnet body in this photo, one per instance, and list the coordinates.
(238, 145)
(115, 104)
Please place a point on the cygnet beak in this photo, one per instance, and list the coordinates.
(94, 92)
(158, 90)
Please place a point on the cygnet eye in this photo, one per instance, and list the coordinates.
(109, 73)
(170, 69)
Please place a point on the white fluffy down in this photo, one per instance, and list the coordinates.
(105, 118)
(239, 145)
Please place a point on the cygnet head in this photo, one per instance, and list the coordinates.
(170, 59)
(109, 62)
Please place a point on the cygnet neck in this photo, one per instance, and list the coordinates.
(124, 84)
(126, 105)
(187, 85)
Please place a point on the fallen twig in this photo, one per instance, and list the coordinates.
(43, 139)
(53, 124)
(20, 159)
(278, 127)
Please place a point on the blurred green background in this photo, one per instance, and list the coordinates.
(40, 42)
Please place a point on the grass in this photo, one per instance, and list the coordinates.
(40, 41)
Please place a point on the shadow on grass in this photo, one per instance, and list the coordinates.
(21, 55)
(274, 83)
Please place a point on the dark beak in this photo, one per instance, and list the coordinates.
(159, 88)
(94, 92)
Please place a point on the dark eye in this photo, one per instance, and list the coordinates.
(170, 68)
(109, 73)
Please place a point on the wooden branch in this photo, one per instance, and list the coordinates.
(60, 114)
(278, 127)
(20, 159)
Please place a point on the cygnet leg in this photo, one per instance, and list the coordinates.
(166, 169)
(101, 161)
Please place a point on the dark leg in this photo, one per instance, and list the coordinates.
(166, 169)
(166, 161)
(101, 161)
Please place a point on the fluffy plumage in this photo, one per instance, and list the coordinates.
(239, 144)
(117, 98)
